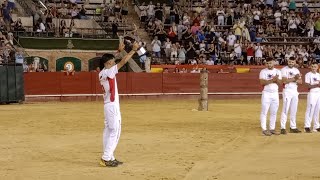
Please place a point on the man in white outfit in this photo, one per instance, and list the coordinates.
(291, 77)
(312, 79)
(269, 77)
(112, 121)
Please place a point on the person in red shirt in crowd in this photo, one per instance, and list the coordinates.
(250, 54)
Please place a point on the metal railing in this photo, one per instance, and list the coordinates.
(90, 33)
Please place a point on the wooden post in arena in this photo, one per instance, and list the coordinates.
(203, 100)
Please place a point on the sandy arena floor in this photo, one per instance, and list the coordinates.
(160, 140)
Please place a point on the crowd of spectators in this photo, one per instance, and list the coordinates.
(113, 11)
(227, 33)
(7, 27)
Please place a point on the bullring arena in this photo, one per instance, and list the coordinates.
(163, 136)
(52, 110)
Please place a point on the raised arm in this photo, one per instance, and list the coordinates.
(126, 58)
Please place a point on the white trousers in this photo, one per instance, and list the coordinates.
(290, 103)
(220, 20)
(310, 33)
(269, 100)
(312, 112)
(112, 130)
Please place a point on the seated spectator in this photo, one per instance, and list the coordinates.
(40, 27)
(17, 26)
(63, 27)
(63, 11)
(74, 13)
(49, 24)
(82, 13)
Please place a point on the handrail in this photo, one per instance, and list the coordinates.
(90, 33)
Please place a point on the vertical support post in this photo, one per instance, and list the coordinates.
(203, 100)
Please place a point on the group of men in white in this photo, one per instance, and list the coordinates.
(290, 77)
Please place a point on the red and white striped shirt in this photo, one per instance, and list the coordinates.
(108, 82)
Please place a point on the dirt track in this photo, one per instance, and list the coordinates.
(160, 140)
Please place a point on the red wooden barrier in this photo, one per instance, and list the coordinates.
(40, 84)
(140, 83)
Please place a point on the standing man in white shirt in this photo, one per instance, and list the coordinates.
(258, 53)
(312, 79)
(156, 47)
(269, 77)
(277, 16)
(112, 121)
(220, 13)
(231, 39)
(291, 77)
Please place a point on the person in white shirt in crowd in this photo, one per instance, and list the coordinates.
(193, 62)
(167, 47)
(231, 39)
(292, 26)
(210, 62)
(156, 47)
(312, 79)
(284, 5)
(186, 19)
(258, 53)
(291, 77)
(310, 28)
(143, 12)
(195, 70)
(304, 54)
(42, 27)
(277, 16)
(238, 49)
(180, 28)
(202, 46)
(174, 54)
(221, 15)
(150, 10)
(182, 54)
(269, 77)
(256, 16)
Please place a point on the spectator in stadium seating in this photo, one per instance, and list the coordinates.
(53, 10)
(74, 13)
(167, 48)
(40, 27)
(176, 70)
(182, 54)
(117, 10)
(82, 13)
(156, 47)
(63, 27)
(63, 11)
(6, 12)
(11, 4)
(255, 23)
(114, 26)
(174, 54)
(150, 10)
(48, 19)
(17, 26)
